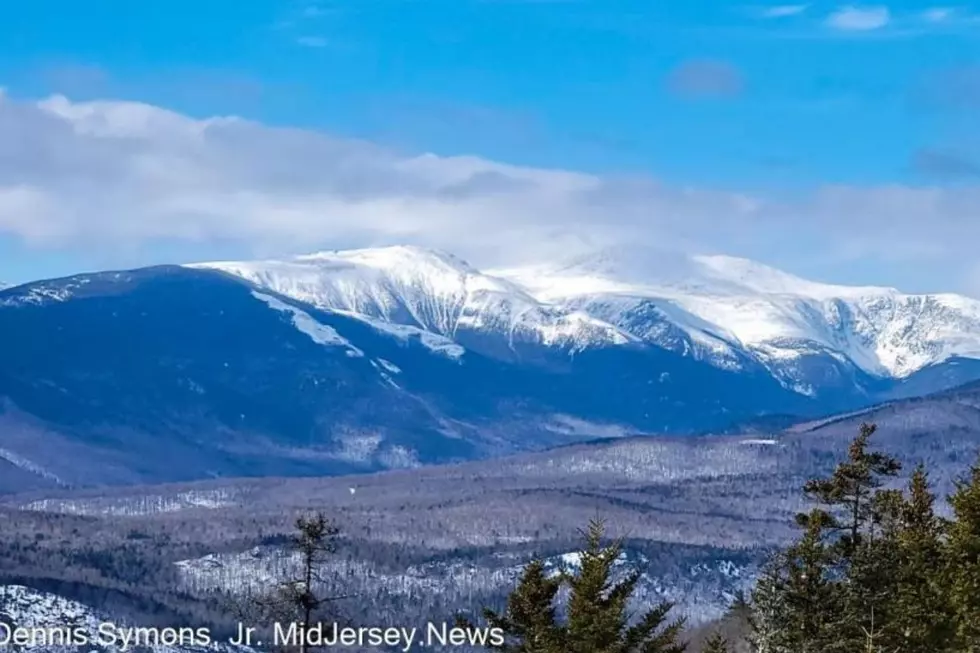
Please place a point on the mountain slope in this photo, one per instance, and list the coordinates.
(727, 306)
(843, 345)
(172, 373)
(431, 290)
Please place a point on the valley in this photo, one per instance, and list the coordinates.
(699, 515)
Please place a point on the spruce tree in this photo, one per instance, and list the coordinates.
(598, 617)
(298, 599)
(810, 601)
(963, 558)
(314, 540)
(856, 508)
(769, 610)
(529, 623)
(921, 618)
(716, 644)
(850, 490)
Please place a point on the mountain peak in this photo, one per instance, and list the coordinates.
(761, 278)
(724, 309)
(393, 257)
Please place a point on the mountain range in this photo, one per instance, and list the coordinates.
(349, 361)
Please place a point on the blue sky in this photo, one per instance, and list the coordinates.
(859, 117)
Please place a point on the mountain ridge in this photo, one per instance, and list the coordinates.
(729, 312)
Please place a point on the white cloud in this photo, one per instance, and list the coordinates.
(114, 175)
(853, 18)
(783, 11)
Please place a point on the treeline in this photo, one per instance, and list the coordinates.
(875, 569)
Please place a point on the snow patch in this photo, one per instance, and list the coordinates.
(391, 367)
(137, 506)
(53, 615)
(25, 464)
(318, 333)
(432, 341)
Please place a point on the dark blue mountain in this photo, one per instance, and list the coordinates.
(169, 373)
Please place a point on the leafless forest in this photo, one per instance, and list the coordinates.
(698, 513)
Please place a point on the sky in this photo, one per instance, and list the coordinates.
(838, 142)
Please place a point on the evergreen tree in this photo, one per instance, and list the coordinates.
(598, 618)
(298, 599)
(856, 509)
(921, 619)
(850, 491)
(529, 623)
(315, 539)
(716, 644)
(809, 600)
(769, 612)
(963, 557)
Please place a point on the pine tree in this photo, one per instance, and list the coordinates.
(921, 619)
(769, 610)
(810, 599)
(598, 618)
(297, 600)
(529, 623)
(856, 508)
(716, 644)
(963, 557)
(850, 490)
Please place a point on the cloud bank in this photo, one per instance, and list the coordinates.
(121, 174)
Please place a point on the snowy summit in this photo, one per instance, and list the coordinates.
(724, 310)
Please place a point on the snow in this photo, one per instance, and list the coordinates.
(45, 292)
(318, 333)
(725, 310)
(701, 593)
(723, 301)
(49, 618)
(429, 340)
(137, 506)
(388, 365)
(432, 291)
(25, 464)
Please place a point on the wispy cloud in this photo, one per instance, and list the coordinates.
(783, 11)
(705, 78)
(113, 175)
(312, 41)
(854, 18)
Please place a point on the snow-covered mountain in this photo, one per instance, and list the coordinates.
(371, 359)
(730, 312)
(426, 289)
